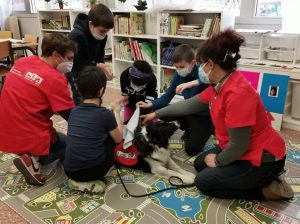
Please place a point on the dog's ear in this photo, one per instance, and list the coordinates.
(140, 141)
(159, 133)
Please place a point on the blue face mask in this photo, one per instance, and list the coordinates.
(203, 76)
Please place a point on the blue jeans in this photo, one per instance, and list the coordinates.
(239, 179)
(57, 150)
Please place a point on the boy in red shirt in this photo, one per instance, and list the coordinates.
(34, 90)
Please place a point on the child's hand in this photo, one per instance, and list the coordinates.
(142, 104)
(116, 105)
(106, 71)
(147, 118)
(180, 88)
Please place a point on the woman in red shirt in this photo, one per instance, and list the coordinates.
(250, 155)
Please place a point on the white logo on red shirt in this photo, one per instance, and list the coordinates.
(34, 77)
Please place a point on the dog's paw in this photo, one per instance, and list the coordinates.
(188, 179)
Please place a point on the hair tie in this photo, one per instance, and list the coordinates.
(228, 53)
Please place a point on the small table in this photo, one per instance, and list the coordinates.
(20, 45)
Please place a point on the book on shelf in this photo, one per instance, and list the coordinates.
(132, 24)
(167, 52)
(135, 50)
(65, 22)
(166, 79)
(122, 50)
(136, 23)
(211, 27)
(121, 24)
(169, 24)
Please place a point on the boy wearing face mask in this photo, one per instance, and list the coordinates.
(138, 83)
(93, 133)
(34, 90)
(90, 34)
(197, 127)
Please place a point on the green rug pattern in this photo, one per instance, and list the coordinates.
(55, 203)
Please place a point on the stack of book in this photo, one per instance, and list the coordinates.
(194, 30)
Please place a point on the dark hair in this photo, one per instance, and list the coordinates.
(183, 52)
(90, 80)
(144, 67)
(223, 49)
(57, 42)
(100, 15)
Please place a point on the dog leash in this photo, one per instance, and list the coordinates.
(181, 185)
(176, 186)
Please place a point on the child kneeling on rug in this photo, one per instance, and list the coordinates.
(138, 83)
(93, 133)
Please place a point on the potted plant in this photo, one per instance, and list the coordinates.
(61, 3)
(141, 5)
(47, 4)
(92, 3)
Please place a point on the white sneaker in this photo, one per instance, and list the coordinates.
(95, 186)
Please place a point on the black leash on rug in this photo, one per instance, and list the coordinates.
(176, 186)
(181, 184)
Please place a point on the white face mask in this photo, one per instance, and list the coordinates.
(137, 88)
(97, 36)
(65, 67)
(184, 72)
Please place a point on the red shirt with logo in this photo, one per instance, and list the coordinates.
(32, 92)
(239, 105)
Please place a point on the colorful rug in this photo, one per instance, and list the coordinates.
(55, 203)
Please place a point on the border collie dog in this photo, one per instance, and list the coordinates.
(152, 142)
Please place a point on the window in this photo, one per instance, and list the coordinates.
(271, 8)
(18, 5)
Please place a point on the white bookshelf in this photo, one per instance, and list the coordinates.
(55, 14)
(153, 34)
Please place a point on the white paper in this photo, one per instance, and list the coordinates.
(130, 128)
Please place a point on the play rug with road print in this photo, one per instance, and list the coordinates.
(55, 203)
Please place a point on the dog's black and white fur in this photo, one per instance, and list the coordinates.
(152, 141)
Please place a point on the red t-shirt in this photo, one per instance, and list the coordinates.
(239, 105)
(33, 91)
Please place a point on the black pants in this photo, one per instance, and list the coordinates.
(197, 129)
(97, 172)
(73, 83)
(239, 179)
(57, 150)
